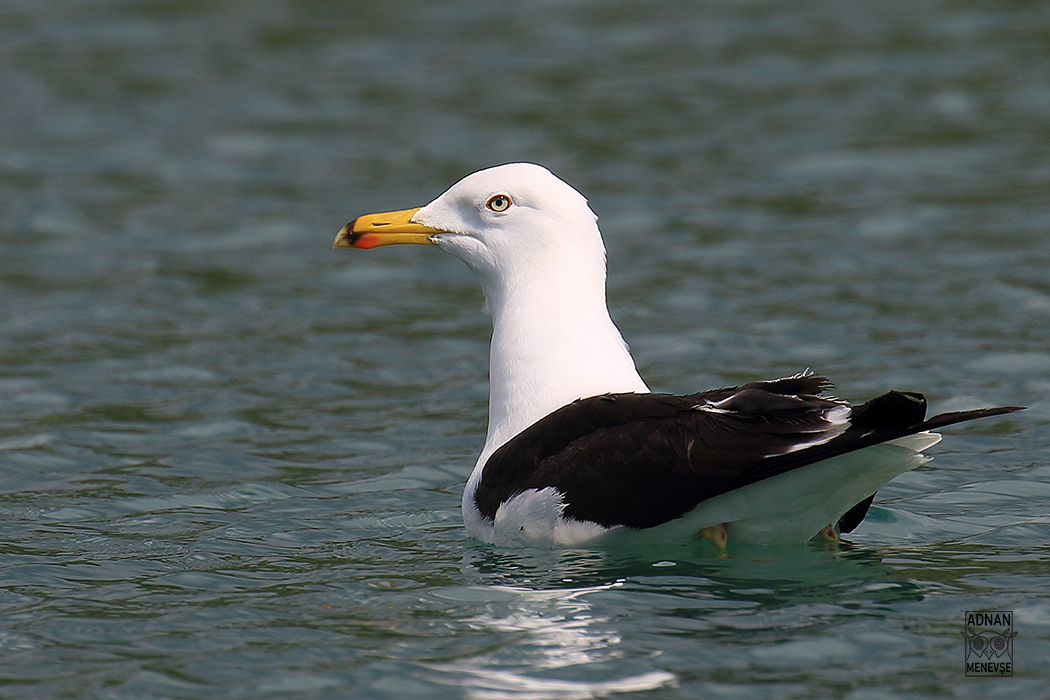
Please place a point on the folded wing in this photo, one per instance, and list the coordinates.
(641, 460)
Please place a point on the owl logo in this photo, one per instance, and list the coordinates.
(990, 644)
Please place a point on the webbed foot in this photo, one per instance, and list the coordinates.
(716, 535)
(828, 534)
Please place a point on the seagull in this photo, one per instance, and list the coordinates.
(578, 447)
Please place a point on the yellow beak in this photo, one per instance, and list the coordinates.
(387, 228)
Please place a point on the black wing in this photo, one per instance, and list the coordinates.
(643, 459)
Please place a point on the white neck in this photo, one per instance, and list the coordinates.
(552, 343)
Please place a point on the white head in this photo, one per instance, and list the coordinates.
(510, 223)
(513, 219)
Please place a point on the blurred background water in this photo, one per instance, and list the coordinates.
(231, 458)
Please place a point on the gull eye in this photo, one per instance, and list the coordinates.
(498, 202)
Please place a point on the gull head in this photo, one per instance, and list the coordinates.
(504, 222)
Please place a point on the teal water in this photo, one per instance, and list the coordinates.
(231, 458)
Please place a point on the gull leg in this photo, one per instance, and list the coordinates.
(828, 534)
(716, 535)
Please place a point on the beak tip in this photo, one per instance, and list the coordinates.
(343, 239)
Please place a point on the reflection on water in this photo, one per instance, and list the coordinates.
(571, 629)
(551, 631)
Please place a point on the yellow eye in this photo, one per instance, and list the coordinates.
(499, 202)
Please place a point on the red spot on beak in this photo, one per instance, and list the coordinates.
(366, 241)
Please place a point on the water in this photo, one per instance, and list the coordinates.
(231, 458)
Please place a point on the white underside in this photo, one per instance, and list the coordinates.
(786, 509)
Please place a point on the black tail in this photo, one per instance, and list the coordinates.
(943, 419)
